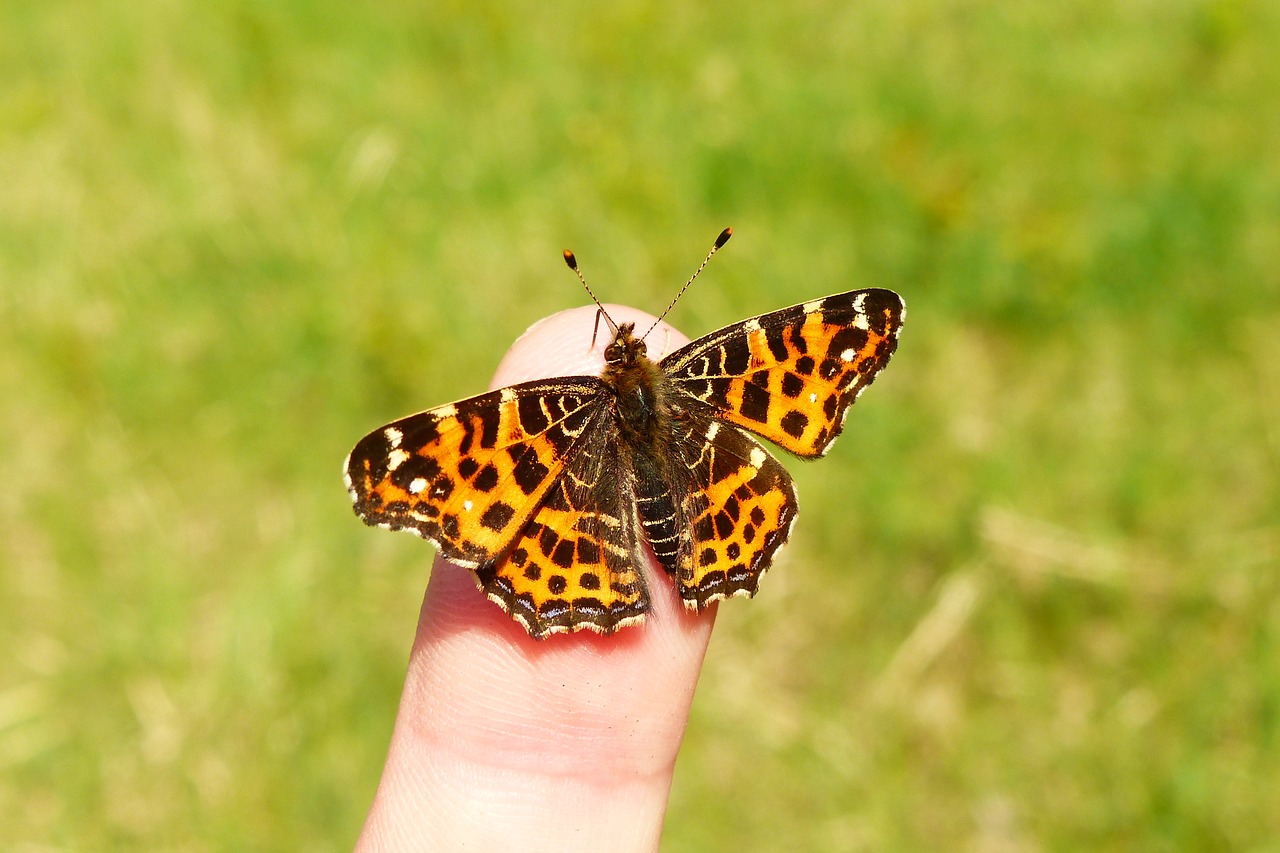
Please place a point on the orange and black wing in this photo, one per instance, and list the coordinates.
(576, 563)
(469, 475)
(736, 504)
(791, 375)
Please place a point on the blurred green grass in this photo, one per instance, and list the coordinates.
(235, 236)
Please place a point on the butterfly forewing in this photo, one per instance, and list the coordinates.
(791, 375)
(467, 476)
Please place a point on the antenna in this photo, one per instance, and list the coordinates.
(720, 241)
(573, 265)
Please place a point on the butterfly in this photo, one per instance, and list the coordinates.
(549, 490)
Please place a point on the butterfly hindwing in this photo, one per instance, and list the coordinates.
(791, 375)
(467, 476)
(737, 504)
(576, 563)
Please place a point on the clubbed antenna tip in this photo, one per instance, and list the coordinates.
(573, 265)
(720, 241)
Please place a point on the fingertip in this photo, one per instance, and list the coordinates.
(561, 344)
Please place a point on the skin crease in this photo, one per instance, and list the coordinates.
(503, 742)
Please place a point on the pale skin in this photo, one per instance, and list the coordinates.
(503, 742)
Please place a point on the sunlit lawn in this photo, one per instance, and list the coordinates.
(1032, 601)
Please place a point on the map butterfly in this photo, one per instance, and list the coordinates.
(548, 490)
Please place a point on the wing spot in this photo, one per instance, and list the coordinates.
(792, 385)
(563, 554)
(724, 525)
(848, 355)
(794, 423)
(547, 541)
(441, 487)
(589, 580)
(467, 505)
(758, 457)
(755, 403)
(497, 516)
(396, 458)
(530, 473)
(393, 437)
(417, 485)
(733, 551)
(486, 479)
(557, 584)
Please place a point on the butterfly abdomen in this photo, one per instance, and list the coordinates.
(657, 509)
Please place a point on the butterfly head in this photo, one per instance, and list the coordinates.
(626, 347)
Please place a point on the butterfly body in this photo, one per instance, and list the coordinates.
(549, 490)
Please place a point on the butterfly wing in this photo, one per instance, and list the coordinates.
(791, 375)
(576, 564)
(468, 476)
(737, 504)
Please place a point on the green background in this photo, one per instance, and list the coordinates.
(1032, 601)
